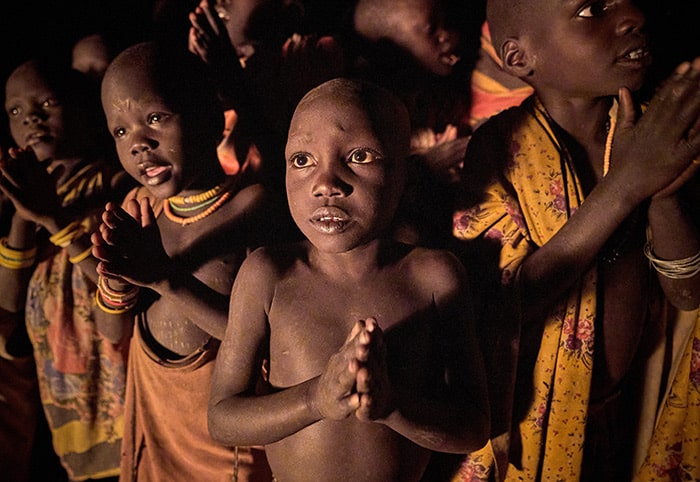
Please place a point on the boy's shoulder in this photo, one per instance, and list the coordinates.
(435, 267)
(506, 119)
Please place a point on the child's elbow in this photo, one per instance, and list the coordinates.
(216, 426)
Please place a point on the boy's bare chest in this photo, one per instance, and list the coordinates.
(311, 322)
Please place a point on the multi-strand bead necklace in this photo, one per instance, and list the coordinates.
(214, 198)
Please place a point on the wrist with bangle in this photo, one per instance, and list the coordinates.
(68, 236)
(683, 268)
(16, 259)
(114, 301)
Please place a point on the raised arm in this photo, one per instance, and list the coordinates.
(130, 248)
(648, 155)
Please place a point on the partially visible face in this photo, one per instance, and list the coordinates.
(236, 16)
(422, 33)
(344, 179)
(37, 116)
(597, 47)
(149, 136)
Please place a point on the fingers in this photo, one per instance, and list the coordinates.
(626, 113)
(676, 104)
(146, 214)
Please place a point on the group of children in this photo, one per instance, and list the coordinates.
(190, 300)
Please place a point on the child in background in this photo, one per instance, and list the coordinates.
(372, 358)
(168, 260)
(58, 177)
(585, 248)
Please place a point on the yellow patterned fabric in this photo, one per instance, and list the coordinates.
(524, 210)
(81, 374)
(673, 453)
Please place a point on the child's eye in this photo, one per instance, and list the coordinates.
(49, 103)
(363, 156)
(118, 132)
(593, 10)
(301, 160)
(14, 111)
(154, 118)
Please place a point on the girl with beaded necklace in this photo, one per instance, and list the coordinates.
(167, 278)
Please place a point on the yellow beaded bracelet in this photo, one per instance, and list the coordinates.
(67, 235)
(81, 257)
(16, 258)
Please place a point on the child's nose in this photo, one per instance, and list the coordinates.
(328, 183)
(33, 116)
(142, 144)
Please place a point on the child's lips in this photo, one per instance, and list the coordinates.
(156, 174)
(37, 137)
(330, 219)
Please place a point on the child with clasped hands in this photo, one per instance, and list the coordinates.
(372, 359)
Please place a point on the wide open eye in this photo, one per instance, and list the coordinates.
(301, 160)
(363, 156)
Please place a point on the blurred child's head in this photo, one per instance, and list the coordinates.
(164, 117)
(54, 110)
(417, 27)
(346, 152)
(578, 49)
(91, 55)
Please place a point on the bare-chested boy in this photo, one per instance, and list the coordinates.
(372, 358)
(575, 200)
(170, 274)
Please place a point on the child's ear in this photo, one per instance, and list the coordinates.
(515, 59)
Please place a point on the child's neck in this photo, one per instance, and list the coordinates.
(585, 120)
(356, 264)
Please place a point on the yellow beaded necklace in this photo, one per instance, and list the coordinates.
(214, 198)
(184, 221)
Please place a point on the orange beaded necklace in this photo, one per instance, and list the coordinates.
(204, 198)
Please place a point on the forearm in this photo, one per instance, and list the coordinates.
(675, 237)
(259, 420)
(555, 267)
(204, 306)
(14, 279)
(451, 428)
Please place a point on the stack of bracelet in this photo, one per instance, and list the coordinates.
(674, 269)
(16, 258)
(66, 236)
(115, 302)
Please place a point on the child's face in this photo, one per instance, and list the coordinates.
(150, 139)
(37, 117)
(422, 33)
(589, 49)
(343, 178)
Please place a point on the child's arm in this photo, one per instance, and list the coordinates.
(648, 155)
(133, 250)
(674, 237)
(237, 416)
(209, 40)
(456, 420)
(24, 180)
